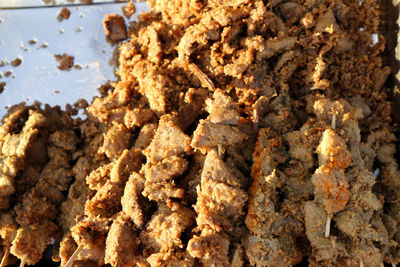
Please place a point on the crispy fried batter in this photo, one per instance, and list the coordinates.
(239, 132)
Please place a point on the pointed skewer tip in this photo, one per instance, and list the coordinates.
(5, 257)
(328, 226)
(23, 261)
(119, 261)
(74, 255)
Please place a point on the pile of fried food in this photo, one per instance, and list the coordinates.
(240, 132)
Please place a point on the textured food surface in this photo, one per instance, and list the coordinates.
(239, 133)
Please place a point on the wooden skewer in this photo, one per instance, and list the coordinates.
(76, 253)
(5, 257)
(23, 261)
(119, 261)
(333, 122)
(328, 226)
(219, 151)
(205, 81)
(361, 264)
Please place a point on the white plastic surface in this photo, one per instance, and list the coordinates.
(39, 3)
(38, 77)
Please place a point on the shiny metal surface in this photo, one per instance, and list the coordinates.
(38, 77)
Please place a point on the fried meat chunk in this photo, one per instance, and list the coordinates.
(160, 177)
(121, 243)
(169, 140)
(133, 202)
(114, 28)
(165, 228)
(106, 201)
(31, 241)
(223, 110)
(221, 199)
(210, 248)
(210, 135)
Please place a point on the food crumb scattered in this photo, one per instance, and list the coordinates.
(44, 45)
(16, 62)
(114, 28)
(2, 85)
(53, 2)
(78, 67)
(104, 88)
(32, 42)
(64, 14)
(66, 61)
(3, 63)
(7, 73)
(129, 9)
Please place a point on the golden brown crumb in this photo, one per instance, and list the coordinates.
(129, 9)
(114, 28)
(3, 63)
(7, 73)
(65, 61)
(16, 62)
(64, 14)
(2, 86)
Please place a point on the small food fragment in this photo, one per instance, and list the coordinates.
(129, 9)
(16, 62)
(114, 28)
(2, 86)
(64, 14)
(65, 61)
(32, 42)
